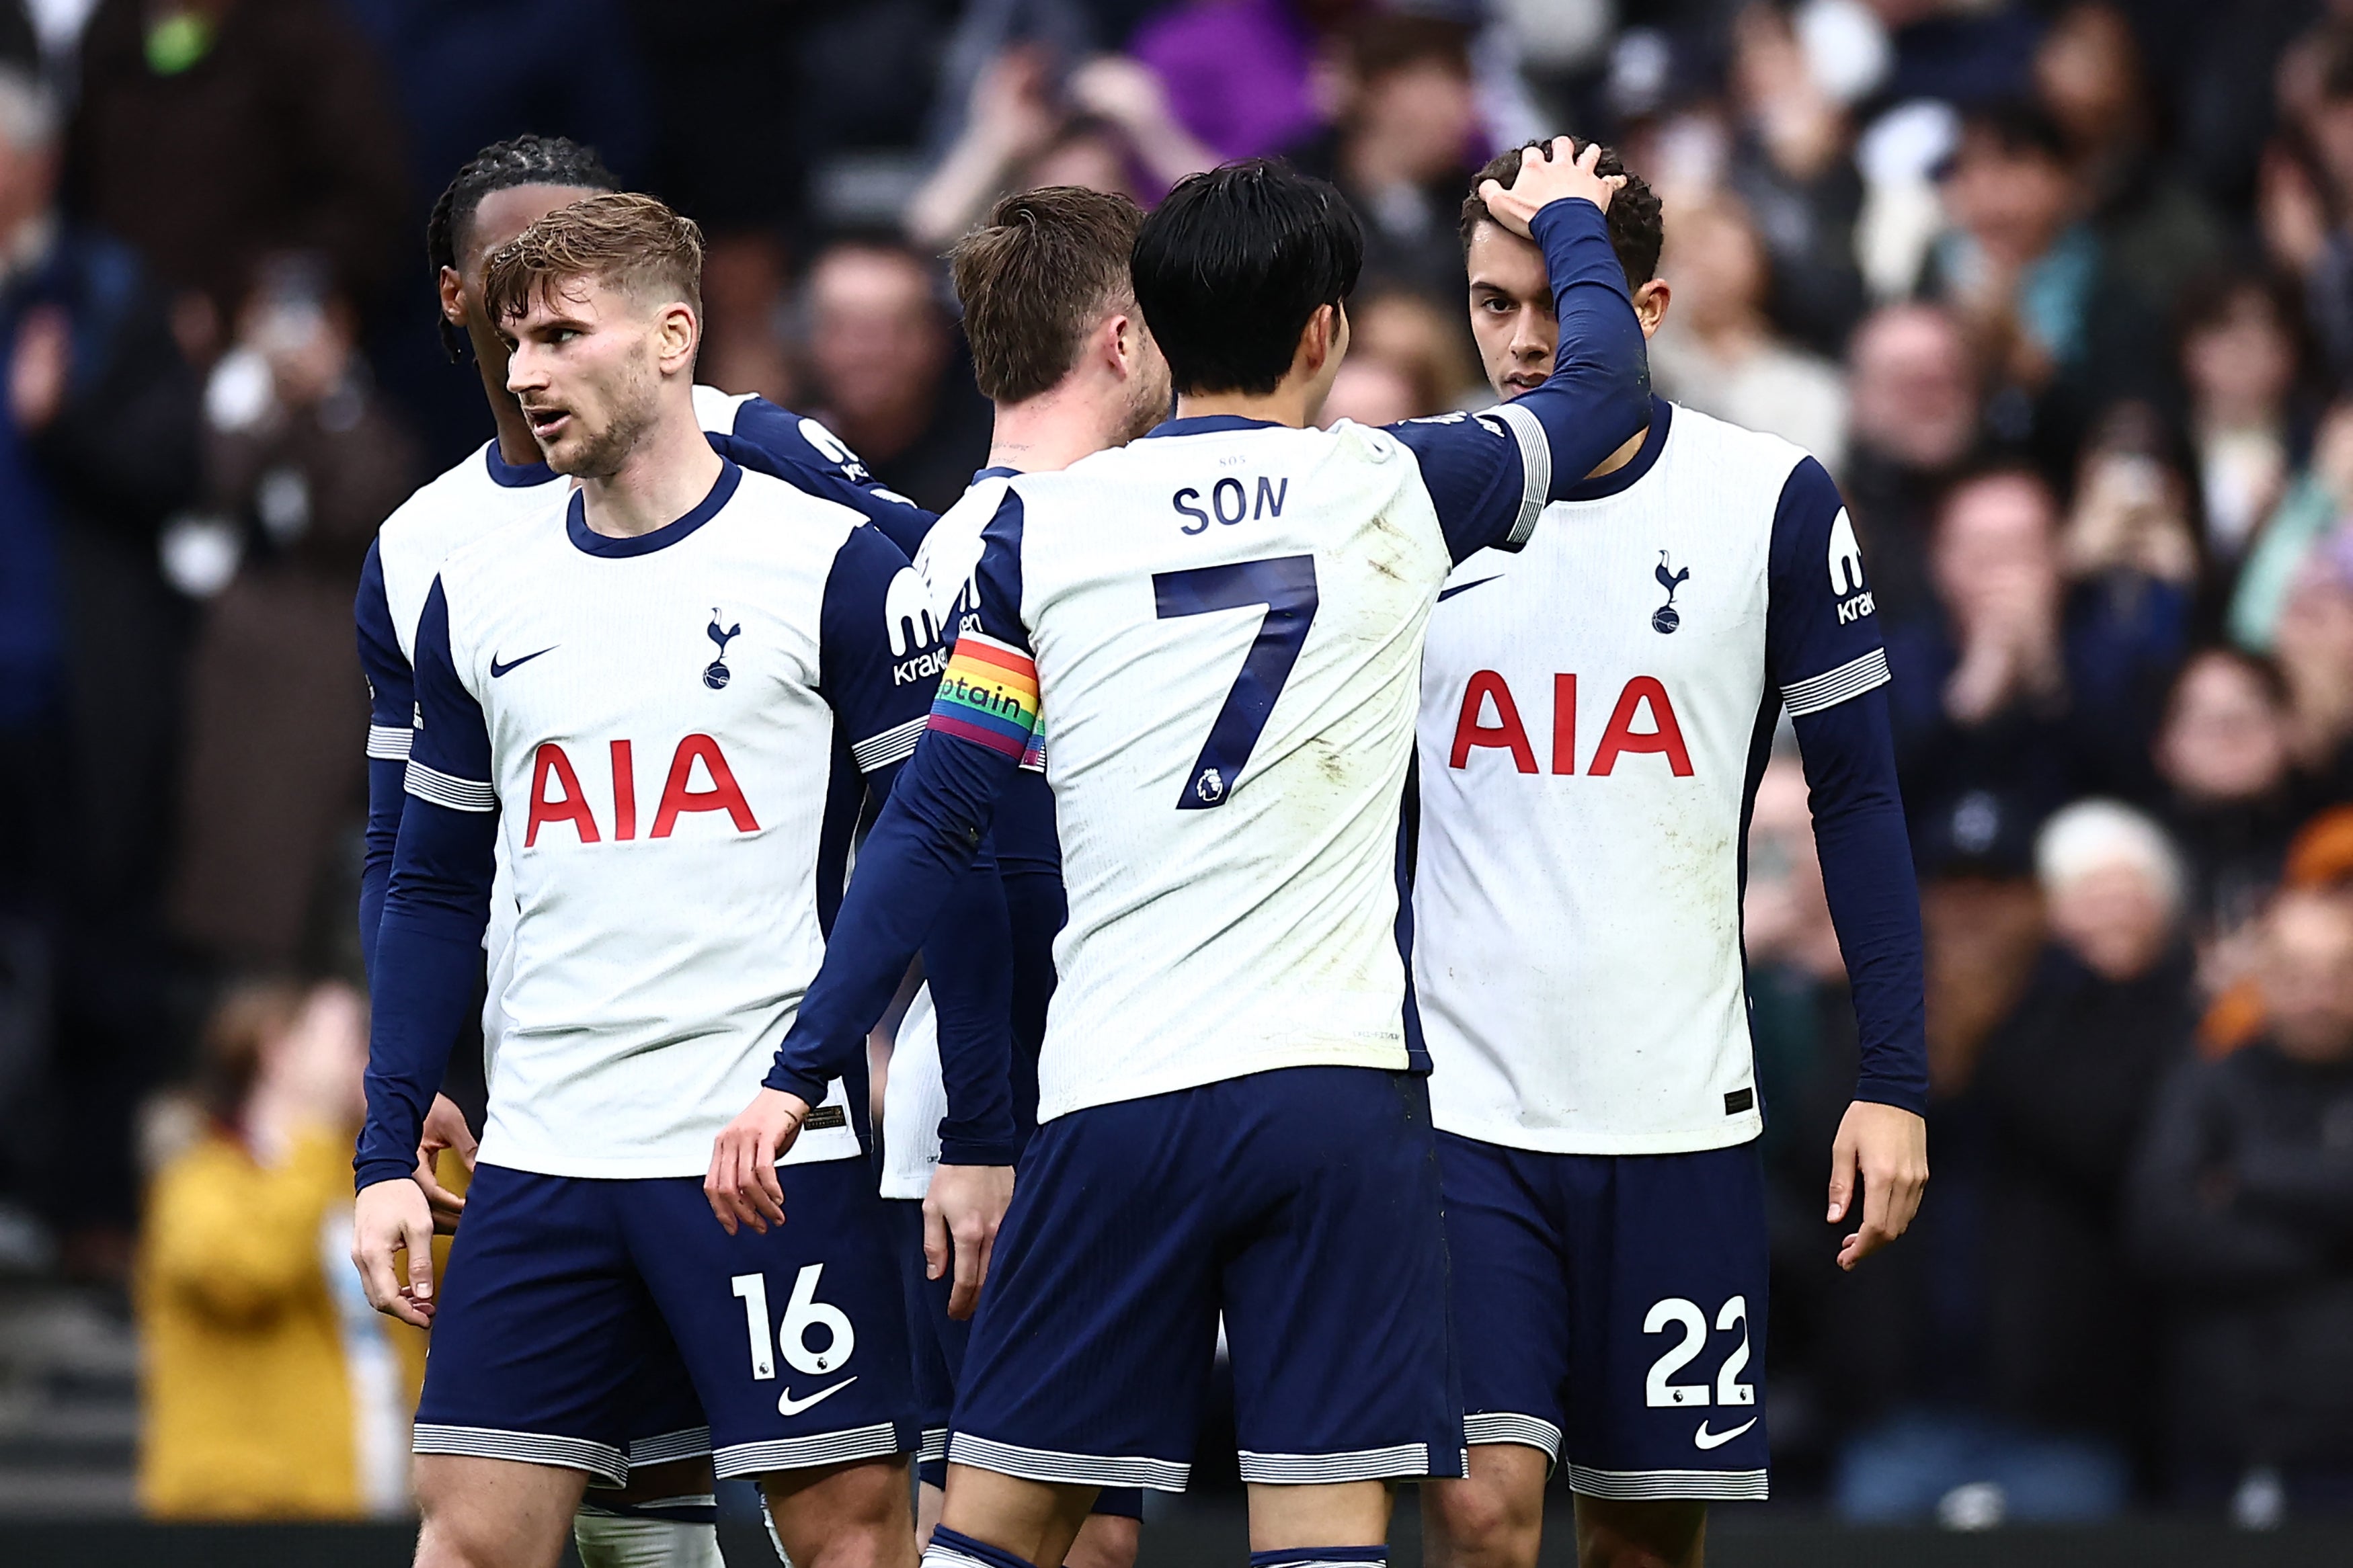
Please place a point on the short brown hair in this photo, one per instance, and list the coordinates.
(617, 237)
(1037, 279)
(1637, 223)
(249, 1017)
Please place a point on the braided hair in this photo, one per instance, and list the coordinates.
(503, 165)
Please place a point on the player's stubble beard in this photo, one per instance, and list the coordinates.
(1148, 394)
(635, 400)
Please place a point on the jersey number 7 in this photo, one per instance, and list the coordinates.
(1286, 586)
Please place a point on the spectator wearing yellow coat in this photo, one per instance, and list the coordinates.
(270, 1390)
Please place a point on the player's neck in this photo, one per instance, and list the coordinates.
(1624, 455)
(1292, 402)
(664, 476)
(1048, 433)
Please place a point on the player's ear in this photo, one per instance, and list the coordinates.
(677, 334)
(1651, 301)
(453, 297)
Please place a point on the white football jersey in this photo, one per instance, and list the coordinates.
(484, 493)
(1226, 622)
(672, 729)
(1595, 712)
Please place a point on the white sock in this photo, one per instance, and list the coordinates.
(620, 1541)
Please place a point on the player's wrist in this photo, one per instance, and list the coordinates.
(376, 1172)
(979, 1150)
(803, 1088)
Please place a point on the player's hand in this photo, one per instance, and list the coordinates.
(389, 1218)
(445, 1128)
(961, 1213)
(743, 1185)
(1884, 1149)
(1559, 172)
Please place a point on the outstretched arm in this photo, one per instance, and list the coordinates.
(921, 851)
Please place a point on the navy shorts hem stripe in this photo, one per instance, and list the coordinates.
(1325, 1469)
(523, 1448)
(934, 1445)
(1658, 1486)
(1489, 1426)
(1069, 1469)
(874, 1442)
(688, 1443)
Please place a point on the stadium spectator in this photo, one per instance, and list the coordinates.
(2064, 335)
(2063, 1088)
(2233, 802)
(306, 461)
(2315, 498)
(2243, 1203)
(98, 444)
(1719, 353)
(1109, 128)
(2130, 521)
(2313, 644)
(210, 133)
(2306, 197)
(1791, 166)
(270, 1391)
(2241, 358)
(1911, 390)
(2090, 79)
(2029, 693)
(889, 377)
(1402, 146)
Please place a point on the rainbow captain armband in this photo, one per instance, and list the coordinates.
(988, 695)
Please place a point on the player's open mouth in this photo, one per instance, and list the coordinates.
(1522, 381)
(546, 422)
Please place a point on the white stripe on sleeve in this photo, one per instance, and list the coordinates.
(1833, 687)
(1535, 466)
(895, 744)
(445, 789)
(388, 743)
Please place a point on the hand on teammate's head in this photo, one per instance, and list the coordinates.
(1548, 174)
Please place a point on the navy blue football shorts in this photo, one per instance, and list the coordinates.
(938, 1341)
(1301, 1205)
(580, 1318)
(1611, 1312)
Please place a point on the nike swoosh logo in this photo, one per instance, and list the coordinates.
(1465, 587)
(1705, 1439)
(498, 669)
(787, 1406)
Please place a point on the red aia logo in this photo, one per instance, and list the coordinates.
(557, 796)
(1664, 736)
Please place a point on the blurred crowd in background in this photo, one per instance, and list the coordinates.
(2062, 293)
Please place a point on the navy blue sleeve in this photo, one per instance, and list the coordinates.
(428, 947)
(879, 661)
(805, 454)
(1823, 653)
(392, 711)
(1490, 474)
(929, 833)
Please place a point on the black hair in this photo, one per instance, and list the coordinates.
(1637, 222)
(1230, 267)
(502, 166)
(2015, 127)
